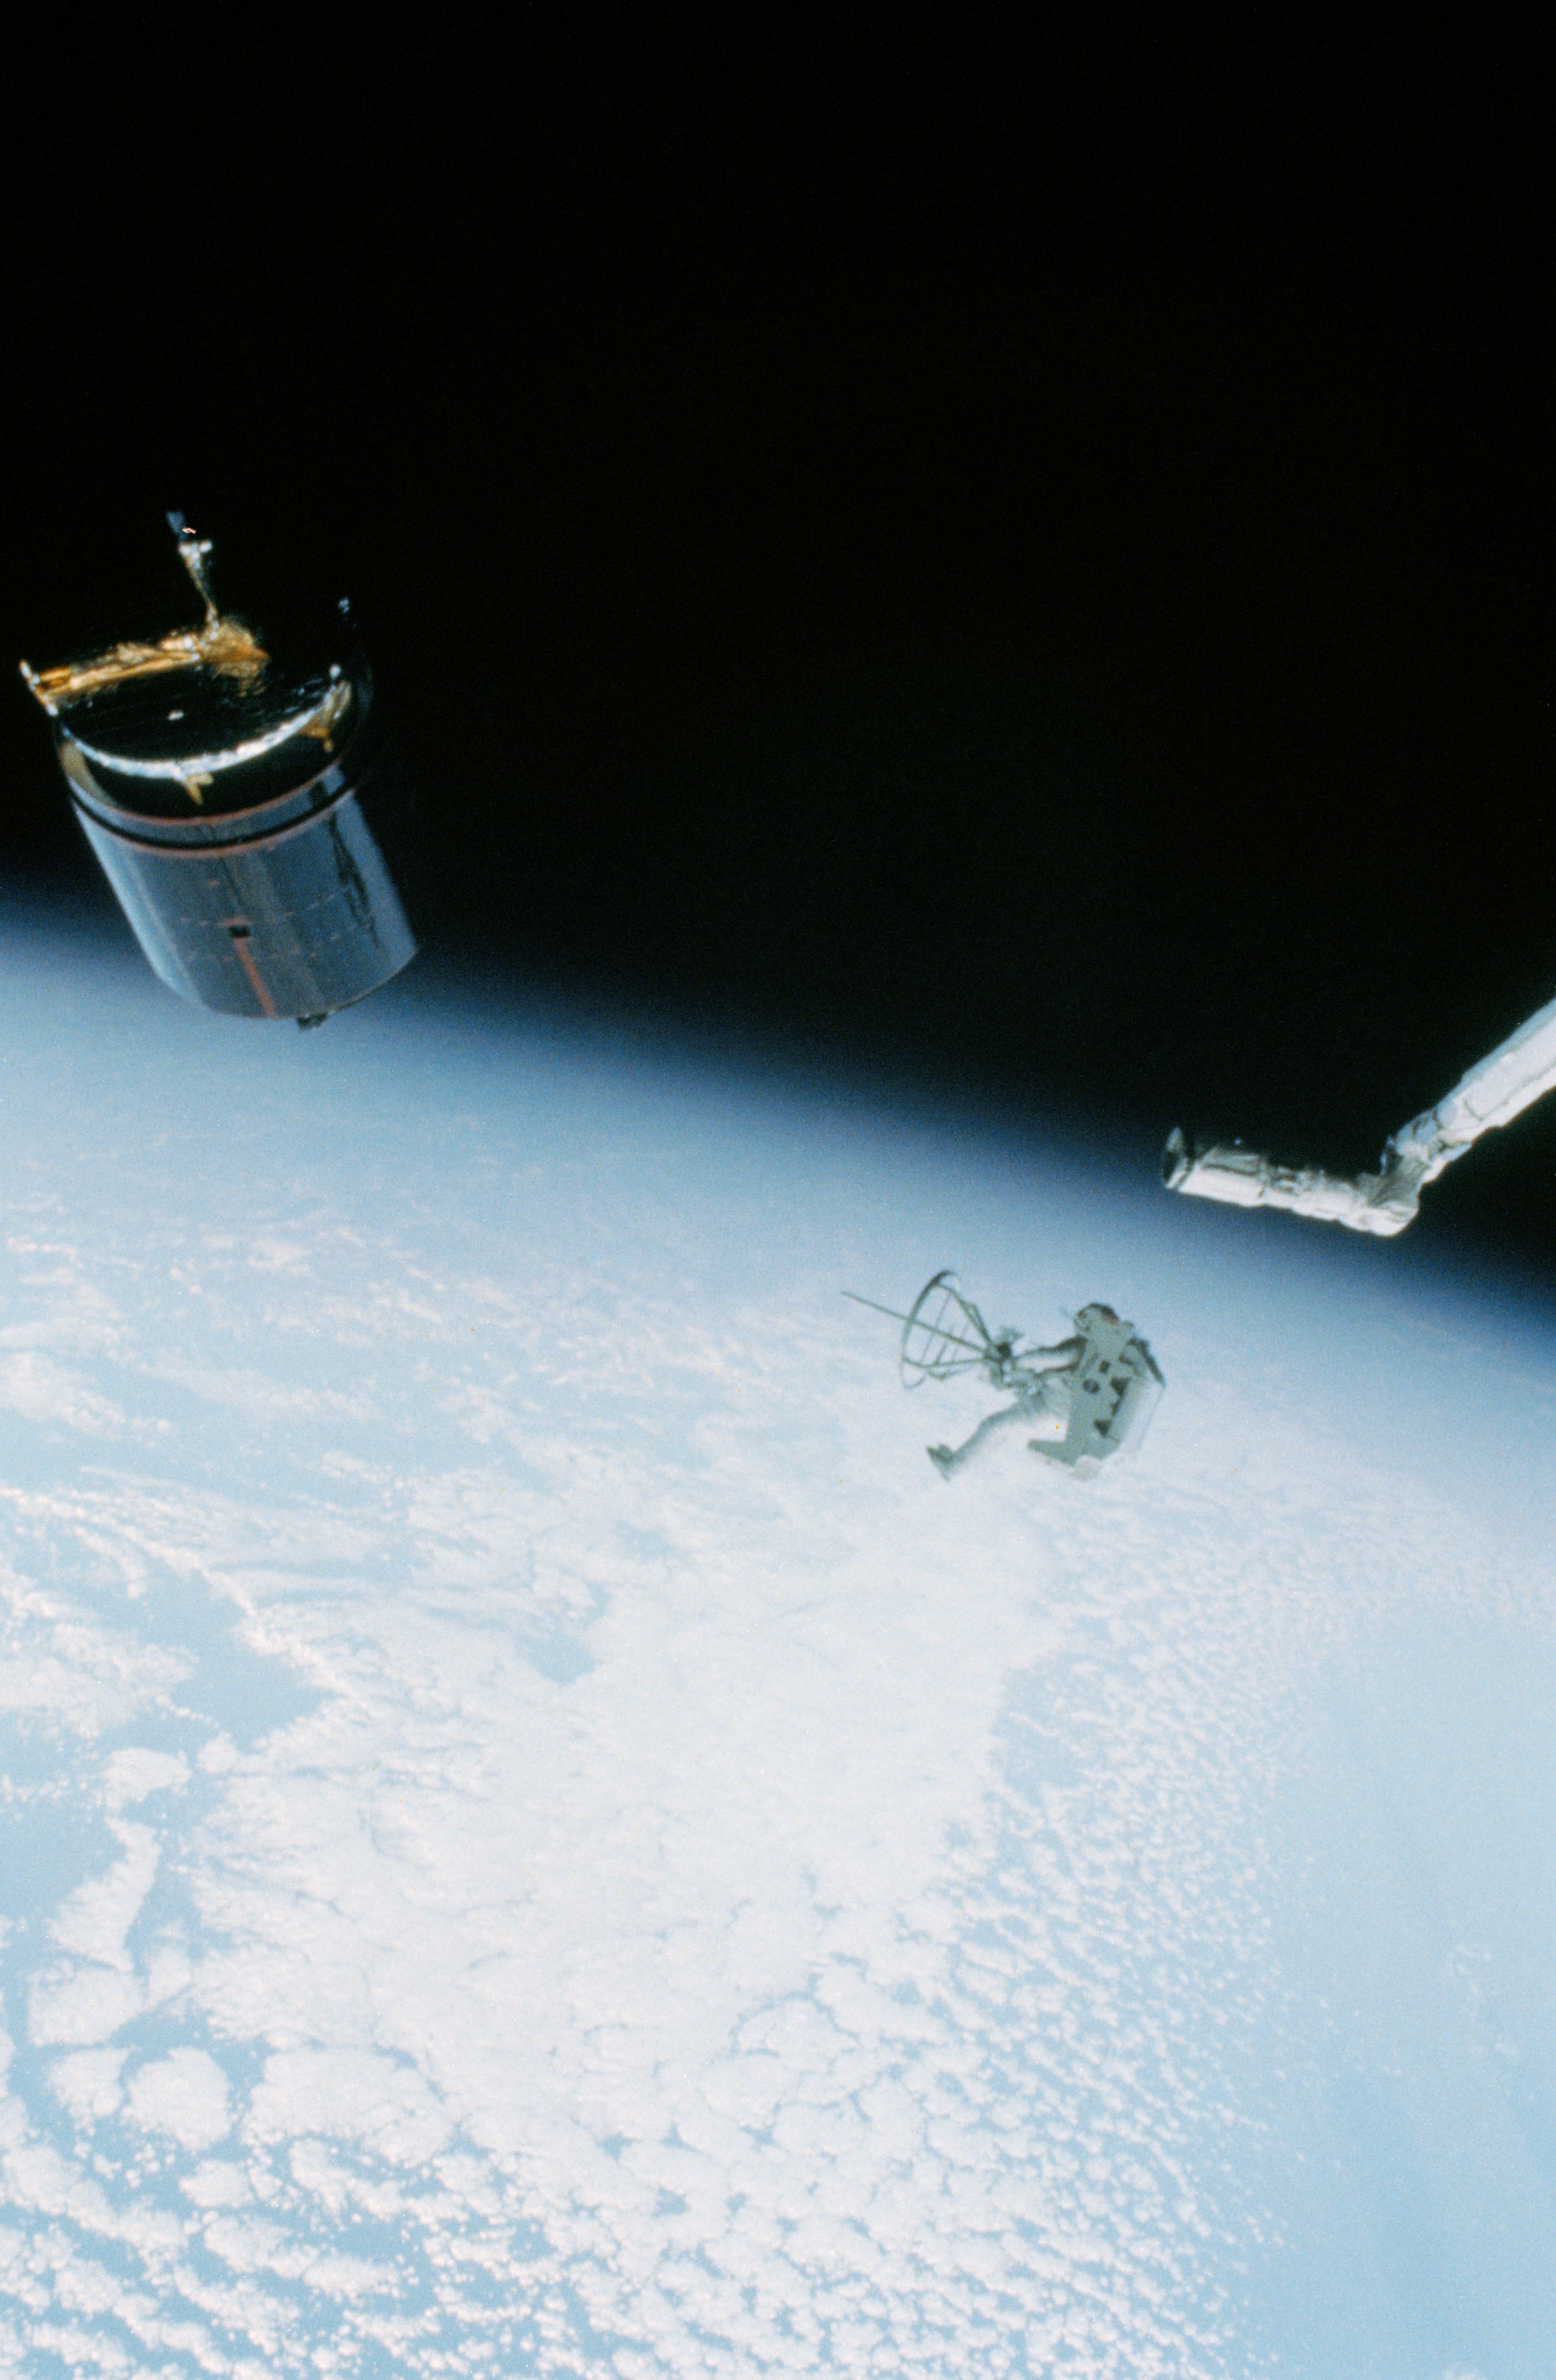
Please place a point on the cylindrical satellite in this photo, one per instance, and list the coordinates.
(232, 797)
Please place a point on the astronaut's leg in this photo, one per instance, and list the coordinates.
(947, 1459)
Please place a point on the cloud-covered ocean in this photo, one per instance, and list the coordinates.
(537, 1834)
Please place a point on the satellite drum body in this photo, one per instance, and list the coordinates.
(250, 872)
(241, 846)
(237, 798)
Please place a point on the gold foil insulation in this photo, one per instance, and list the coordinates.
(222, 644)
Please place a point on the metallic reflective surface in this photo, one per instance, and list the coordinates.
(288, 912)
(239, 824)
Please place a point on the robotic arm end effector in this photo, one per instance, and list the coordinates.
(1381, 1203)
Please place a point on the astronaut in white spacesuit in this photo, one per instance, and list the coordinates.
(1089, 1396)
(1101, 1391)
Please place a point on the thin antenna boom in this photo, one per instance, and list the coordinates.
(949, 1336)
(871, 1302)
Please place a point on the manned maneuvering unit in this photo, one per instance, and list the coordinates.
(1088, 1397)
(1497, 1088)
(237, 799)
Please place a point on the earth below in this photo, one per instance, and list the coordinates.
(539, 1835)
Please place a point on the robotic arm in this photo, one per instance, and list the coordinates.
(1521, 1070)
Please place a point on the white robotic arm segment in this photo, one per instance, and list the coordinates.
(1519, 1071)
(1242, 1177)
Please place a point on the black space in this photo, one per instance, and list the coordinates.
(1031, 569)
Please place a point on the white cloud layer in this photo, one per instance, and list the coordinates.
(545, 1837)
